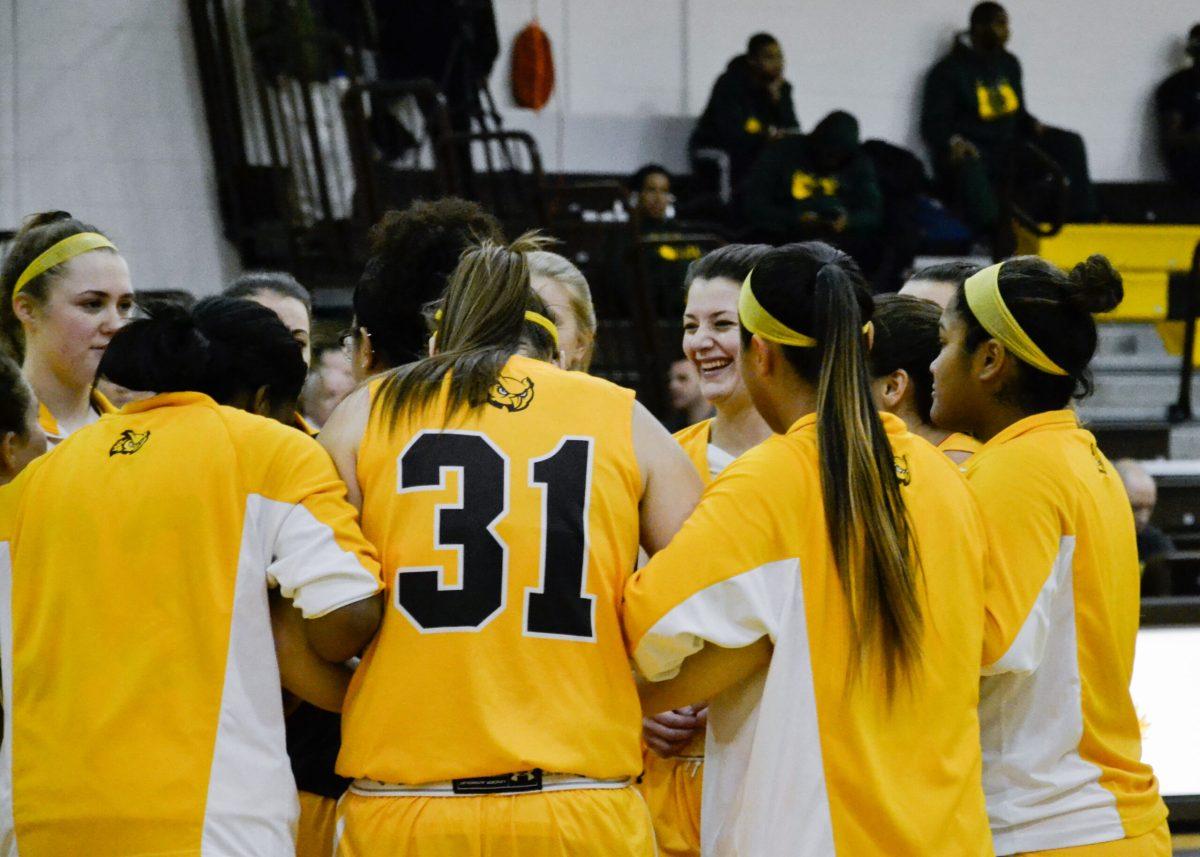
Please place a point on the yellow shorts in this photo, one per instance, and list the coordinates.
(672, 789)
(1156, 843)
(318, 818)
(575, 823)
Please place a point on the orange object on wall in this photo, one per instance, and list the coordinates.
(532, 68)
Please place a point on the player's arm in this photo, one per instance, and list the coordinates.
(670, 485)
(705, 675)
(301, 670)
(341, 436)
(321, 560)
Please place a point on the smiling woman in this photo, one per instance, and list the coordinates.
(66, 292)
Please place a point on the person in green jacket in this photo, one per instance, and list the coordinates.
(974, 118)
(818, 186)
(750, 105)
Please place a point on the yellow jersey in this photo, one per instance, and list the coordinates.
(506, 536)
(798, 760)
(694, 440)
(142, 708)
(1061, 742)
(54, 435)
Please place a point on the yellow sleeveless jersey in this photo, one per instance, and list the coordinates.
(506, 537)
(799, 760)
(959, 442)
(142, 710)
(1061, 741)
(694, 440)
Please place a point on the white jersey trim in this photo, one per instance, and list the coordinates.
(764, 789)
(252, 806)
(302, 555)
(1041, 794)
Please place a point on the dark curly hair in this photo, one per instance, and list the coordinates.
(413, 253)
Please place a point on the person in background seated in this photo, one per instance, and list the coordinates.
(938, 283)
(1143, 495)
(819, 185)
(683, 388)
(650, 198)
(1177, 104)
(21, 436)
(329, 381)
(974, 116)
(750, 105)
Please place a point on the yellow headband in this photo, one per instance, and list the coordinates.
(68, 248)
(757, 320)
(982, 291)
(536, 317)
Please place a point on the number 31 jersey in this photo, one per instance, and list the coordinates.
(506, 534)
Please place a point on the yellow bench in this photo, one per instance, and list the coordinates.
(1146, 255)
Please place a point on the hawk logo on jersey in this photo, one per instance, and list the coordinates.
(129, 442)
(902, 472)
(511, 394)
(1099, 459)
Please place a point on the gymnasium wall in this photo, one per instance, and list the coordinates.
(633, 73)
(101, 114)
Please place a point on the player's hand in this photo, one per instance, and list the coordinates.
(668, 733)
(961, 149)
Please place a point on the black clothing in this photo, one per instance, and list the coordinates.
(808, 181)
(1179, 95)
(1152, 542)
(739, 112)
(980, 96)
(314, 737)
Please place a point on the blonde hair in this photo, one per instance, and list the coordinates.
(483, 323)
(552, 266)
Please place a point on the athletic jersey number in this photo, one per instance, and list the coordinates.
(559, 607)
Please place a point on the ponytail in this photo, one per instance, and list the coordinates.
(817, 303)
(869, 528)
(484, 319)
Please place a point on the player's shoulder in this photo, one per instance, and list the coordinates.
(695, 433)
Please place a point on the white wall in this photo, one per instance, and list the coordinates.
(633, 73)
(101, 115)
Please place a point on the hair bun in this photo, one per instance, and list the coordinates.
(1095, 285)
(42, 218)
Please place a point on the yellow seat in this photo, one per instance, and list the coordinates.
(1128, 247)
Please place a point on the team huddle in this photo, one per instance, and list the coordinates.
(885, 605)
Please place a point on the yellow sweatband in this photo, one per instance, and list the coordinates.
(757, 320)
(536, 317)
(68, 248)
(987, 305)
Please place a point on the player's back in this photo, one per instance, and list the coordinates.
(506, 535)
(142, 708)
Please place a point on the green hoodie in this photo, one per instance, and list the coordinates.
(977, 95)
(822, 173)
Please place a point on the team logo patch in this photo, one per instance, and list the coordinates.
(902, 472)
(511, 394)
(1099, 460)
(129, 442)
